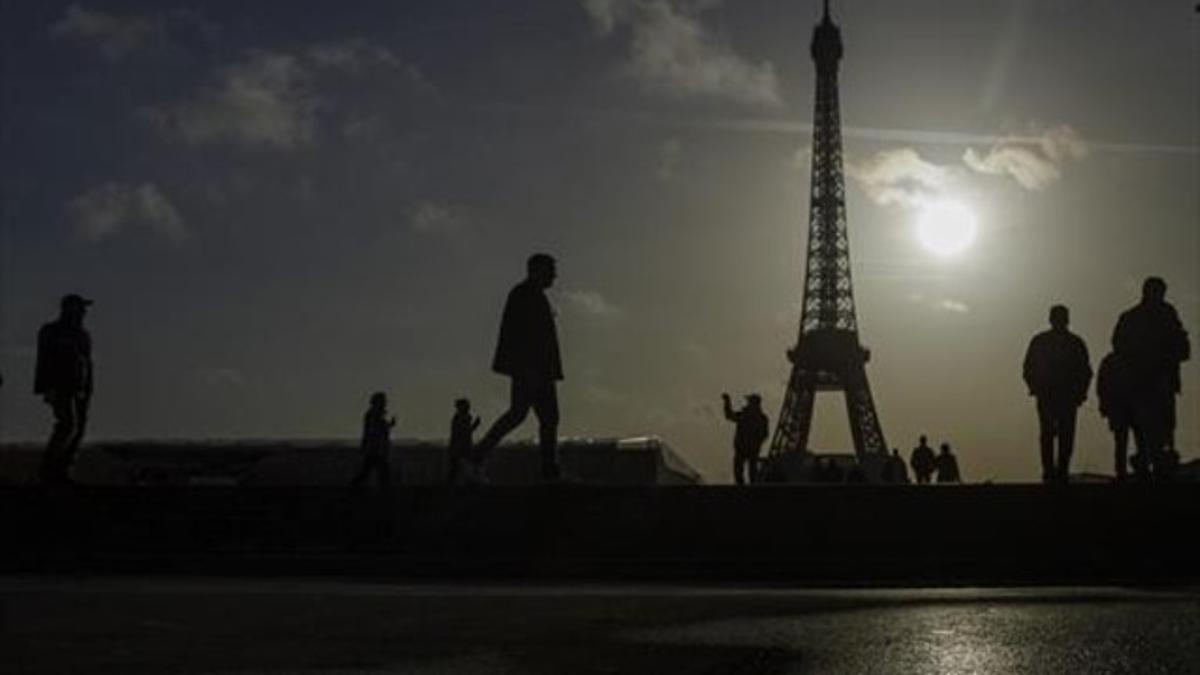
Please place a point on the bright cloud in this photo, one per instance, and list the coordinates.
(1033, 162)
(900, 177)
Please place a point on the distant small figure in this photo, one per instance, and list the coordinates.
(1113, 388)
(922, 461)
(376, 443)
(947, 466)
(1151, 338)
(749, 434)
(527, 352)
(1057, 371)
(462, 427)
(63, 378)
(833, 472)
(894, 470)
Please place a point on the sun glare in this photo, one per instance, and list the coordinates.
(946, 228)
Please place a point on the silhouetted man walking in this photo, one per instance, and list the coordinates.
(922, 461)
(376, 446)
(748, 436)
(63, 378)
(1057, 371)
(1152, 341)
(527, 352)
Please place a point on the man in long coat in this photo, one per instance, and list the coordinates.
(527, 352)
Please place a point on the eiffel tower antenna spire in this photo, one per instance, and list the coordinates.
(827, 355)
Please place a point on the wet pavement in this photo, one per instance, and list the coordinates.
(206, 626)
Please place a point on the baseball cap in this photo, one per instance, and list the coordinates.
(71, 299)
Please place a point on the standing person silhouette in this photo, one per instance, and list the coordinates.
(63, 378)
(376, 443)
(462, 426)
(947, 466)
(527, 352)
(1117, 406)
(1057, 371)
(1150, 337)
(922, 461)
(748, 436)
(897, 472)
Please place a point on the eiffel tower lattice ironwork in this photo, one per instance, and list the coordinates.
(827, 355)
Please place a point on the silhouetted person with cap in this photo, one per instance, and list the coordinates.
(1058, 372)
(63, 378)
(527, 352)
(376, 443)
(1114, 390)
(1152, 340)
(750, 432)
(947, 466)
(462, 427)
(922, 461)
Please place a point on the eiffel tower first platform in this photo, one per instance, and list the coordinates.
(827, 355)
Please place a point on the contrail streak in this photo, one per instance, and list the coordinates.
(783, 126)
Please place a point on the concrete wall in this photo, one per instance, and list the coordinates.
(643, 461)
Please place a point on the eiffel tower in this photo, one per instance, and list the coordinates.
(827, 355)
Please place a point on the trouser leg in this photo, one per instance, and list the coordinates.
(1065, 424)
(512, 418)
(57, 456)
(364, 469)
(1121, 451)
(545, 405)
(739, 466)
(455, 457)
(752, 466)
(383, 467)
(1046, 439)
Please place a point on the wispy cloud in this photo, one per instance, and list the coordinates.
(273, 98)
(118, 35)
(1033, 162)
(265, 100)
(221, 377)
(107, 210)
(435, 217)
(939, 304)
(670, 51)
(590, 303)
(114, 35)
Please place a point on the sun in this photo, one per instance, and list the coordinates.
(946, 228)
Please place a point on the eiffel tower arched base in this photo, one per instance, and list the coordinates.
(827, 360)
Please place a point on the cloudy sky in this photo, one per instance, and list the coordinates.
(281, 207)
